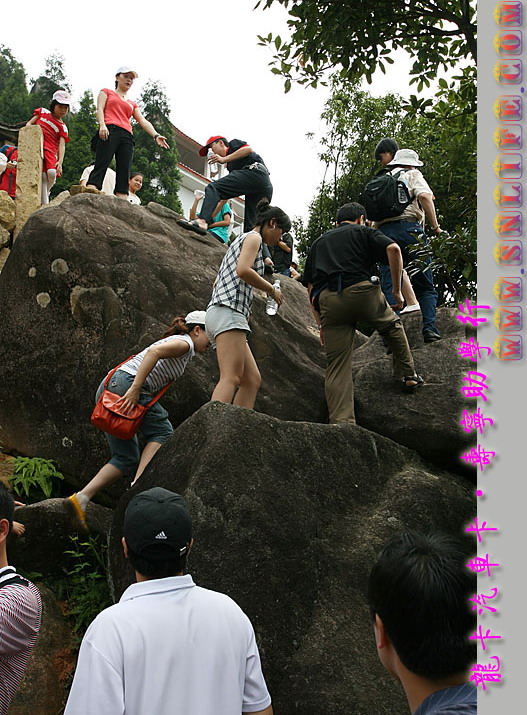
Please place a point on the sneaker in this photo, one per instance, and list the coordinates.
(430, 336)
(415, 308)
(79, 189)
(76, 511)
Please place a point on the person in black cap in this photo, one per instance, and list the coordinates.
(247, 176)
(168, 646)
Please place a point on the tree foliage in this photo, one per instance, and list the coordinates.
(14, 102)
(158, 165)
(355, 122)
(359, 37)
(52, 79)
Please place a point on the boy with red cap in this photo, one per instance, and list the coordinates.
(247, 176)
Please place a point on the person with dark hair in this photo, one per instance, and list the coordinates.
(408, 231)
(282, 255)
(55, 136)
(248, 176)
(168, 646)
(20, 612)
(384, 153)
(138, 380)
(385, 150)
(134, 185)
(115, 138)
(227, 326)
(337, 274)
(418, 594)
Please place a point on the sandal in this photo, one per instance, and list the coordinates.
(191, 226)
(416, 381)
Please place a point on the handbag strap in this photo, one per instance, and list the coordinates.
(153, 400)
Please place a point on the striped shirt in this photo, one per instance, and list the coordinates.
(229, 289)
(20, 613)
(166, 369)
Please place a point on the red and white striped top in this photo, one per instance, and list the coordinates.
(20, 614)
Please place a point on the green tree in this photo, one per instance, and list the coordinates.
(14, 103)
(159, 166)
(358, 38)
(355, 122)
(53, 78)
(82, 126)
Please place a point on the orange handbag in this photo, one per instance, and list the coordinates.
(108, 417)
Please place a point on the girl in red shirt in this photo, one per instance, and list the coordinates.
(114, 112)
(55, 134)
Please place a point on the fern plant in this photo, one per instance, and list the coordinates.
(33, 477)
(86, 584)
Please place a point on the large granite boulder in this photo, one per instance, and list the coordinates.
(93, 280)
(288, 519)
(427, 421)
(49, 529)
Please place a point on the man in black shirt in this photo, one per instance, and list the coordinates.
(282, 255)
(337, 274)
(248, 176)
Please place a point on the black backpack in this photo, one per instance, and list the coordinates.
(385, 196)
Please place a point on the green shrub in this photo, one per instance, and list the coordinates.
(34, 478)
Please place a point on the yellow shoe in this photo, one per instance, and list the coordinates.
(77, 512)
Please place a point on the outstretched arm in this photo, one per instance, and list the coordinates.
(149, 129)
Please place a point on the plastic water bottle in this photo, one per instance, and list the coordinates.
(271, 306)
(214, 168)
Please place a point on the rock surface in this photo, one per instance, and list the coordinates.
(48, 535)
(427, 421)
(28, 175)
(93, 280)
(7, 211)
(288, 518)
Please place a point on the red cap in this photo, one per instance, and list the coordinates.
(210, 140)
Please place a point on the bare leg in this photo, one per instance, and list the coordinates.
(231, 353)
(148, 452)
(106, 475)
(407, 290)
(251, 381)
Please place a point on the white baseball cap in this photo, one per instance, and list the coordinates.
(125, 69)
(196, 316)
(62, 97)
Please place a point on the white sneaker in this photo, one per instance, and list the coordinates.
(411, 308)
(199, 194)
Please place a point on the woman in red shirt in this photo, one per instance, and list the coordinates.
(55, 135)
(114, 112)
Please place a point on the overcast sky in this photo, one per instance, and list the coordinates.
(206, 55)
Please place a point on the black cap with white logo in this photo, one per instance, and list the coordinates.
(157, 525)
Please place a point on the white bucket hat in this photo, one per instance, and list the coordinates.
(406, 157)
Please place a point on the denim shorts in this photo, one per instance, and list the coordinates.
(221, 318)
(155, 427)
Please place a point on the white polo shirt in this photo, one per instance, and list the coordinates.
(169, 647)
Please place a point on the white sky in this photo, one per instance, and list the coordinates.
(216, 77)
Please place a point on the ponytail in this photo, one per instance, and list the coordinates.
(177, 327)
(265, 213)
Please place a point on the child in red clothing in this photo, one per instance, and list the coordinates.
(55, 134)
